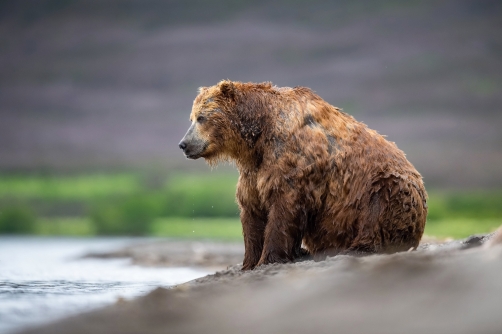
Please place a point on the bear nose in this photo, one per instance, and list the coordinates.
(183, 145)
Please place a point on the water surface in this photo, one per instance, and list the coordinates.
(43, 279)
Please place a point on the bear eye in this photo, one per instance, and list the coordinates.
(201, 119)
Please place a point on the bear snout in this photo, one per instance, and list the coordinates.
(192, 144)
(188, 150)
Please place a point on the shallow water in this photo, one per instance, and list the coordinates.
(44, 279)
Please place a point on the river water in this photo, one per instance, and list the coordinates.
(44, 279)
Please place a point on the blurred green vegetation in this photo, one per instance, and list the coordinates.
(80, 187)
(201, 228)
(462, 204)
(183, 205)
(175, 227)
(458, 228)
(459, 214)
(116, 204)
(132, 215)
(17, 220)
(64, 226)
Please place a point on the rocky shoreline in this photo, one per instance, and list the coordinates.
(449, 287)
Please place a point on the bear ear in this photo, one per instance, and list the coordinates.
(227, 89)
(202, 89)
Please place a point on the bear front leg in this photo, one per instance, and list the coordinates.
(253, 228)
(283, 235)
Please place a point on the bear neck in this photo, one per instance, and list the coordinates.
(254, 119)
(249, 160)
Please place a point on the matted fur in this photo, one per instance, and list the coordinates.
(309, 173)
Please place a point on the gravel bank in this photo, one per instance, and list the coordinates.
(451, 287)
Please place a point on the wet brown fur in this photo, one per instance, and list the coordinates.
(309, 174)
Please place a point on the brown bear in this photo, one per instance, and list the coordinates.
(310, 174)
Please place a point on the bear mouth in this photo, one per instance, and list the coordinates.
(192, 156)
(196, 151)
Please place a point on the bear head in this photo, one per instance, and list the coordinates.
(224, 126)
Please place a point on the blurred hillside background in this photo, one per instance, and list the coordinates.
(95, 96)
